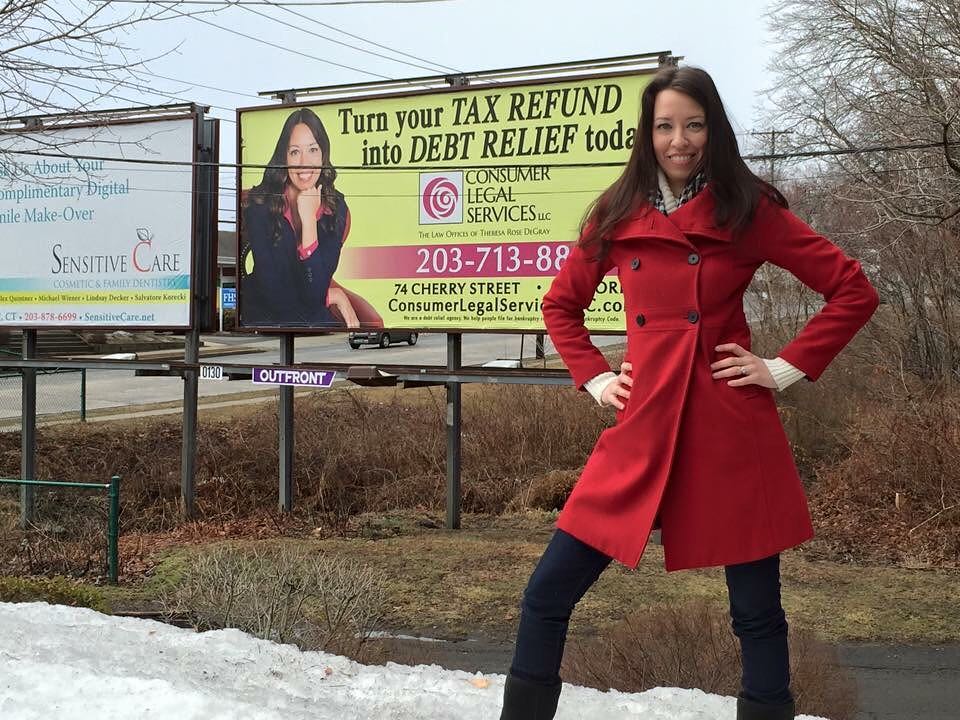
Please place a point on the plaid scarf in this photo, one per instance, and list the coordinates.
(665, 202)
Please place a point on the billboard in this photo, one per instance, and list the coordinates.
(447, 210)
(89, 240)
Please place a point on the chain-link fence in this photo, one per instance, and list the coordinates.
(61, 392)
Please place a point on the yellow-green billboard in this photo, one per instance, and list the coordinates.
(448, 210)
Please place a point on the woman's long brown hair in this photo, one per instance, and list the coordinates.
(270, 191)
(736, 188)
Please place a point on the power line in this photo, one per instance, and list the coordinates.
(773, 148)
(841, 174)
(275, 45)
(330, 39)
(366, 40)
(852, 151)
(438, 168)
(145, 90)
(304, 3)
(191, 83)
(136, 103)
(230, 192)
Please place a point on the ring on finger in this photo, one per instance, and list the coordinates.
(744, 370)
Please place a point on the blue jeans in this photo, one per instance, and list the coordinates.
(569, 567)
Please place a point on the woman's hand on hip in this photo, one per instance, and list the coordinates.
(745, 367)
(618, 388)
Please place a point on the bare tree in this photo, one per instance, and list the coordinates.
(69, 56)
(855, 74)
(867, 73)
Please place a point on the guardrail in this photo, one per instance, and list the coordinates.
(113, 523)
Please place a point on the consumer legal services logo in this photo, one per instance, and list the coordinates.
(441, 198)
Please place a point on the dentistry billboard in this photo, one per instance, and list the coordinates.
(90, 240)
(446, 210)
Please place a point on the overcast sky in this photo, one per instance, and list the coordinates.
(730, 40)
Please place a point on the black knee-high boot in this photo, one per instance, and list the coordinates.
(750, 710)
(525, 700)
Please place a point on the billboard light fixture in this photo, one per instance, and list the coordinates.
(39, 122)
(619, 64)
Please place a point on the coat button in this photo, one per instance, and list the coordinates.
(693, 258)
(635, 263)
(641, 320)
(693, 316)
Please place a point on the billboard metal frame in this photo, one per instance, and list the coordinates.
(202, 238)
(202, 315)
(454, 374)
(621, 66)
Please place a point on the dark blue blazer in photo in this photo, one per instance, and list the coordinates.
(277, 287)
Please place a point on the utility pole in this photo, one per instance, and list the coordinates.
(766, 281)
(773, 150)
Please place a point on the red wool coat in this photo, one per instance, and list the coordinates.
(709, 461)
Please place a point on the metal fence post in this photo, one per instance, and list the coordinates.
(113, 531)
(188, 451)
(83, 394)
(453, 433)
(28, 429)
(286, 428)
(113, 519)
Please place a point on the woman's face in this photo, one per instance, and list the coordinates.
(679, 135)
(303, 150)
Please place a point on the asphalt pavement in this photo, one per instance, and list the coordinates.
(905, 682)
(902, 682)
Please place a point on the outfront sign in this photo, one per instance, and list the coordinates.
(292, 376)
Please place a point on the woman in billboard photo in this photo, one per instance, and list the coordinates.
(295, 222)
(698, 449)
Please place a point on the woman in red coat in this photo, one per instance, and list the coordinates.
(698, 447)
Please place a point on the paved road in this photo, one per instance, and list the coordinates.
(894, 682)
(905, 682)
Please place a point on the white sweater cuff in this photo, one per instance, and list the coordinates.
(784, 374)
(597, 385)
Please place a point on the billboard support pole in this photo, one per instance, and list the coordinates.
(205, 183)
(285, 422)
(28, 429)
(453, 433)
(188, 451)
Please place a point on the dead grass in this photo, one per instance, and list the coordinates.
(282, 593)
(354, 451)
(895, 497)
(66, 538)
(878, 452)
(441, 582)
